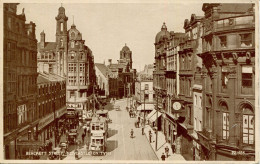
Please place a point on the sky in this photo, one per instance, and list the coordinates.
(107, 27)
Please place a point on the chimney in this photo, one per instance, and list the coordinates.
(42, 43)
(110, 61)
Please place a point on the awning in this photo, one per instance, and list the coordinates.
(151, 114)
(153, 118)
(146, 107)
(195, 135)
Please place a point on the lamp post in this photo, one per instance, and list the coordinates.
(144, 108)
(156, 123)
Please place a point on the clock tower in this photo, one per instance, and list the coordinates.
(61, 41)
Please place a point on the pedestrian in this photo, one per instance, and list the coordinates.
(150, 137)
(83, 136)
(167, 151)
(142, 130)
(163, 157)
(173, 148)
(85, 130)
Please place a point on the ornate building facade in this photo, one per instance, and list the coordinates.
(20, 78)
(228, 129)
(69, 57)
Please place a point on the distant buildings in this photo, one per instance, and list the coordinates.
(20, 79)
(204, 84)
(144, 94)
(69, 57)
(122, 77)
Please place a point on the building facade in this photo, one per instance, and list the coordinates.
(69, 57)
(159, 80)
(228, 129)
(122, 75)
(20, 78)
(102, 74)
(189, 62)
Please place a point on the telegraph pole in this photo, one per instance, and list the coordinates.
(144, 108)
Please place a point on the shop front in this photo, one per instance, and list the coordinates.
(45, 128)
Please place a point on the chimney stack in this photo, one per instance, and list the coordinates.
(110, 61)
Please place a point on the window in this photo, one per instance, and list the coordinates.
(50, 68)
(61, 42)
(247, 76)
(246, 40)
(224, 79)
(9, 23)
(72, 44)
(225, 125)
(72, 56)
(72, 94)
(223, 41)
(146, 87)
(82, 80)
(82, 67)
(248, 125)
(195, 100)
(61, 27)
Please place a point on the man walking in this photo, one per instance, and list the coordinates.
(167, 151)
(150, 136)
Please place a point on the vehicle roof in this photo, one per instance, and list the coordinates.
(98, 119)
(102, 111)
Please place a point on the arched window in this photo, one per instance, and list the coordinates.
(248, 124)
(225, 120)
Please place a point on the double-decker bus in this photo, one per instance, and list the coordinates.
(98, 130)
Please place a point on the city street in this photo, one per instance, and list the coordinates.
(119, 144)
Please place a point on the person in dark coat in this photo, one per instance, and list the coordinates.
(163, 157)
(83, 136)
(150, 137)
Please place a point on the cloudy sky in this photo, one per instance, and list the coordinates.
(106, 27)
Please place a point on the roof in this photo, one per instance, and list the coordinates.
(125, 48)
(48, 46)
(48, 77)
(98, 119)
(103, 69)
(162, 34)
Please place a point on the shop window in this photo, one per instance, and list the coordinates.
(223, 41)
(246, 40)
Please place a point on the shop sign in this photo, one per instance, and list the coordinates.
(97, 134)
(45, 121)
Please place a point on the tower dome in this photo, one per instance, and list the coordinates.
(125, 48)
(163, 34)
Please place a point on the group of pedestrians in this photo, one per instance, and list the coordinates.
(166, 155)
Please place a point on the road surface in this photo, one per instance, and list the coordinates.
(119, 144)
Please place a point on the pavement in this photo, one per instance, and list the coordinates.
(161, 144)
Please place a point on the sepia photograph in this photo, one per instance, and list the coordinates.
(123, 81)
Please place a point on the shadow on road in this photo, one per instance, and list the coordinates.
(112, 132)
(111, 145)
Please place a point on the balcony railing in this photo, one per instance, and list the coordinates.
(234, 23)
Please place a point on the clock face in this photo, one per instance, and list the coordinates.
(176, 105)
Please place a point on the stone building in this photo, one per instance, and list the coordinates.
(228, 128)
(172, 84)
(69, 57)
(122, 75)
(190, 62)
(102, 74)
(20, 78)
(160, 89)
